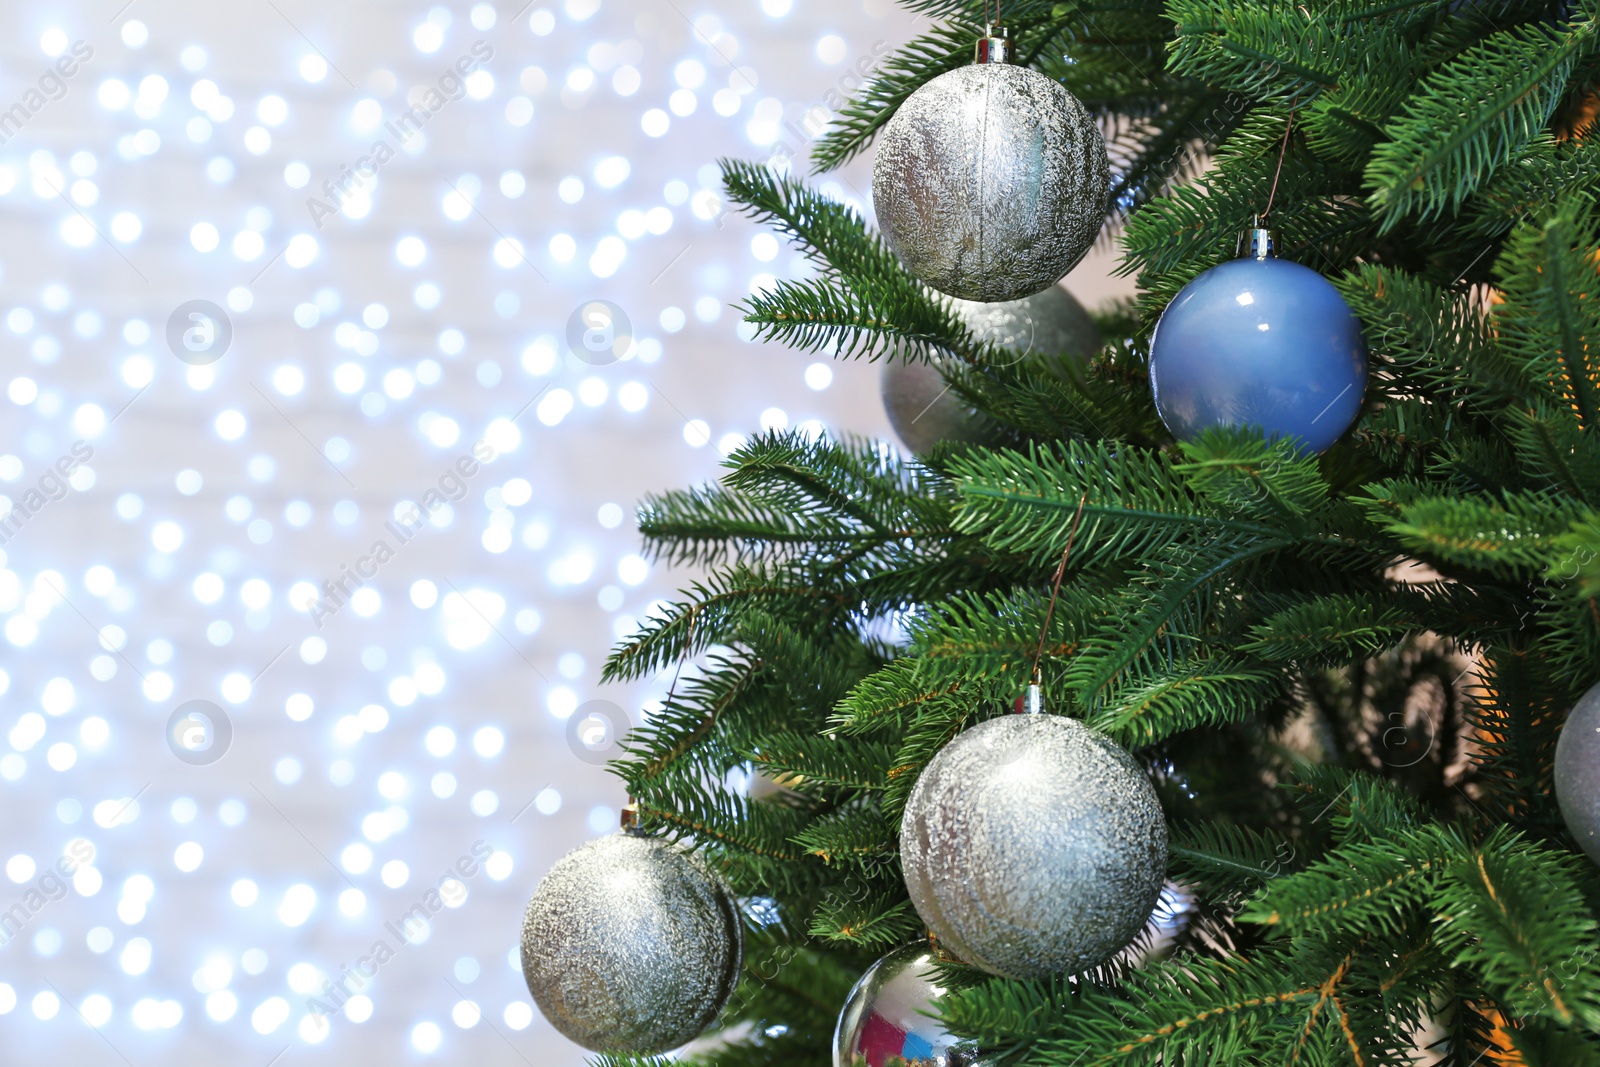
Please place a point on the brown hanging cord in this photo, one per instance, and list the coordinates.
(1055, 589)
(1282, 151)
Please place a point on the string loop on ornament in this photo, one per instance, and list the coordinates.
(1035, 700)
(1283, 150)
(994, 46)
(1261, 241)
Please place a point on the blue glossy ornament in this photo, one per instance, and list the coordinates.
(1259, 341)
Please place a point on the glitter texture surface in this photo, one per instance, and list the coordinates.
(1033, 846)
(991, 182)
(1578, 773)
(919, 403)
(631, 945)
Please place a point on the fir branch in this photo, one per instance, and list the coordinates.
(827, 314)
(1343, 123)
(890, 696)
(1149, 707)
(987, 633)
(857, 836)
(1575, 556)
(1025, 503)
(855, 480)
(1360, 886)
(1471, 117)
(1548, 170)
(687, 628)
(1549, 319)
(1519, 703)
(710, 525)
(1541, 1044)
(678, 732)
(831, 235)
(883, 918)
(1269, 51)
(792, 982)
(808, 762)
(729, 823)
(1242, 472)
(1195, 227)
(1167, 620)
(1175, 1015)
(789, 498)
(1168, 145)
(1358, 807)
(1330, 629)
(1512, 536)
(1554, 450)
(1227, 863)
(903, 73)
(1513, 913)
(1434, 344)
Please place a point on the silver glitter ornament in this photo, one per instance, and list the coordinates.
(1578, 773)
(887, 1019)
(991, 180)
(1033, 846)
(630, 945)
(919, 403)
(1047, 324)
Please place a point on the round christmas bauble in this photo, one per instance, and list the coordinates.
(919, 402)
(1578, 773)
(1259, 341)
(631, 945)
(888, 1017)
(1051, 323)
(991, 182)
(1033, 846)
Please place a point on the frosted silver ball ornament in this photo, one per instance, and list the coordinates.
(888, 1017)
(920, 405)
(991, 180)
(1578, 773)
(631, 945)
(1033, 846)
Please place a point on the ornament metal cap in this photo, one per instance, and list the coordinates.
(1033, 700)
(1263, 245)
(993, 47)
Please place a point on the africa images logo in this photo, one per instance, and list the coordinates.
(199, 332)
(199, 732)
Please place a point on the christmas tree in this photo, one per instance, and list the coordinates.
(1346, 674)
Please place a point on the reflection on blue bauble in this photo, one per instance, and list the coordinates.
(1259, 342)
